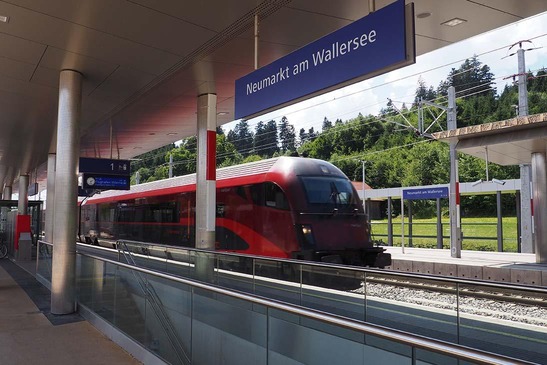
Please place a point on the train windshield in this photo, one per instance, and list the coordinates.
(328, 190)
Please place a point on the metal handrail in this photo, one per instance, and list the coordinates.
(422, 276)
(425, 343)
(157, 306)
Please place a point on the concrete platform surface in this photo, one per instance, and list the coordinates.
(29, 335)
(518, 268)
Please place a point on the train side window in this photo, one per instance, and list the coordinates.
(241, 192)
(274, 197)
(256, 194)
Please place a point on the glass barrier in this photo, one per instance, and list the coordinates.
(185, 322)
(43, 260)
(486, 314)
(415, 305)
(452, 310)
(334, 290)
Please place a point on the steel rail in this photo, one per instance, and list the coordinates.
(499, 285)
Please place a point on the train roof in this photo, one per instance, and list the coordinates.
(248, 173)
(178, 183)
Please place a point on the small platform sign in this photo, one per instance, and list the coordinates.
(425, 193)
(105, 182)
(105, 166)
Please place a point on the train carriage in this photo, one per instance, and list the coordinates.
(286, 207)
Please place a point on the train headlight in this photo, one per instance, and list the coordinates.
(306, 237)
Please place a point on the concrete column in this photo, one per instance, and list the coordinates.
(454, 199)
(63, 278)
(526, 236)
(539, 186)
(439, 225)
(206, 185)
(500, 221)
(7, 192)
(22, 206)
(50, 200)
(206, 172)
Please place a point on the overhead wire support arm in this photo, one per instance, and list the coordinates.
(402, 115)
(436, 118)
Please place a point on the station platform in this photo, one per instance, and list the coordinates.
(30, 334)
(518, 268)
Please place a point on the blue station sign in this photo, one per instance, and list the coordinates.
(425, 193)
(104, 166)
(380, 42)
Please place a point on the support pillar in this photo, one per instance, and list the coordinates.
(539, 185)
(50, 200)
(7, 192)
(22, 206)
(454, 199)
(439, 225)
(206, 172)
(206, 183)
(63, 276)
(526, 223)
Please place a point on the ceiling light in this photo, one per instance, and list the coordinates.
(453, 22)
(172, 134)
(4, 19)
(425, 14)
(222, 113)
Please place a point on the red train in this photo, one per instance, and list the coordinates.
(287, 207)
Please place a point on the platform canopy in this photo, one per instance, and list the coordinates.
(507, 142)
(145, 62)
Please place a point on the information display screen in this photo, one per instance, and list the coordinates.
(105, 182)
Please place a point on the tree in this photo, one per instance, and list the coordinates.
(470, 78)
(302, 136)
(326, 125)
(423, 92)
(227, 154)
(287, 136)
(242, 138)
(265, 139)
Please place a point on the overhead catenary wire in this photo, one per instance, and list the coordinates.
(439, 97)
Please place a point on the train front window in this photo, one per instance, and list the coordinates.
(328, 190)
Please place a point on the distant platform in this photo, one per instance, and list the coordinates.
(518, 268)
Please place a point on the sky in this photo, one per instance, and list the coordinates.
(369, 96)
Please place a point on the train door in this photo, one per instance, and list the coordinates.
(273, 220)
(187, 214)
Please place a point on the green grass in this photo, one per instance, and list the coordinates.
(479, 234)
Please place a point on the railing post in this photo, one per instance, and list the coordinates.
(389, 223)
(410, 223)
(439, 225)
(500, 221)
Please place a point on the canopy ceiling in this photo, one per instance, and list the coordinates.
(144, 62)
